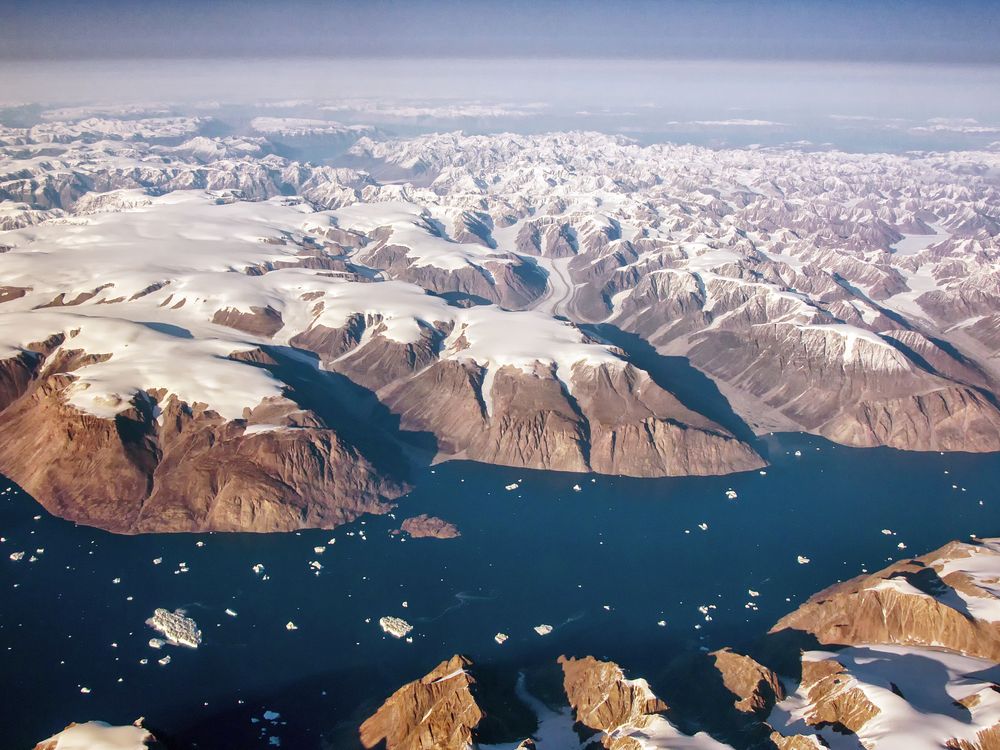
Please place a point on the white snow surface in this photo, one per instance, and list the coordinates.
(196, 250)
(98, 735)
(931, 681)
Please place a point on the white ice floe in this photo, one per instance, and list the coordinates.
(99, 735)
(177, 628)
(397, 627)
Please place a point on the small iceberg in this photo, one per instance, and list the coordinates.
(175, 627)
(397, 627)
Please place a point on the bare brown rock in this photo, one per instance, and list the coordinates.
(756, 687)
(797, 742)
(833, 698)
(188, 469)
(424, 526)
(616, 421)
(436, 712)
(987, 739)
(908, 603)
(260, 321)
(603, 699)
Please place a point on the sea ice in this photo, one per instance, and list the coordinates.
(175, 627)
(397, 627)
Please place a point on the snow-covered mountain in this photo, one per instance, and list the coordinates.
(205, 324)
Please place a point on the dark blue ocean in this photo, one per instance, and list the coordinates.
(602, 565)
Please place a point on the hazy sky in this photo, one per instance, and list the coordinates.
(954, 31)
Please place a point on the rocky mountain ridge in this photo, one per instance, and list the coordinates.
(270, 307)
(872, 663)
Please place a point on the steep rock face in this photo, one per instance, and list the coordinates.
(947, 419)
(612, 420)
(603, 699)
(638, 429)
(852, 389)
(926, 601)
(797, 742)
(756, 687)
(178, 467)
(260, 321)
(419, 400)
(436, 712)
(532, 423)
(834, 698)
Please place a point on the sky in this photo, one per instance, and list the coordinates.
(891, 74)
(901, 31)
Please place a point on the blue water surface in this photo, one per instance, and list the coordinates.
(602, 565)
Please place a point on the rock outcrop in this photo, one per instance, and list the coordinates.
(436, 712)
(873, 663)
(604, 700)
(928, 601)
(424, 526)
(166, 465)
